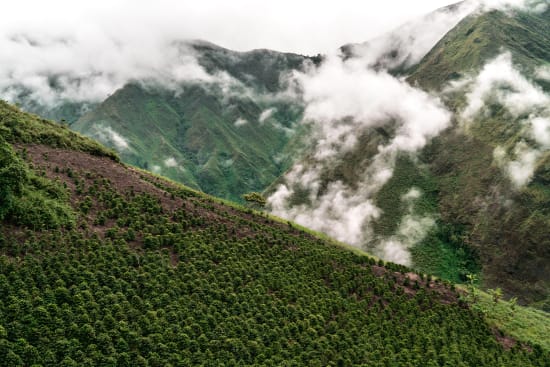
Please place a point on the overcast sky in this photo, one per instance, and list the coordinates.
(303, 26)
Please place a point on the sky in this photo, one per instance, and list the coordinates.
(304, 26)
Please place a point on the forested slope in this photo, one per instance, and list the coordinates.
(506, 224)
(226, 137)
(143, 272)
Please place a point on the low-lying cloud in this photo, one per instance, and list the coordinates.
(408, 44)
(107, 135)
(54, 68)
(346, 97)
(240, 122)
(266, 114)
(343, 101)
(501, 83)
(412, 229)
(543, 72)
(170, 162)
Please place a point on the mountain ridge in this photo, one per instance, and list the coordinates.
(214, 142)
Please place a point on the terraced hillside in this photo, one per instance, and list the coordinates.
(103, 264)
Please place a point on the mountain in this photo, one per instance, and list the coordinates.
(226, 138)
(503, 222)
(102, 263)
(403, 48)
(479, 38)
(467, 196)
(474, 199)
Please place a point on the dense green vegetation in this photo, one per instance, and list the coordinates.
(17, 127)
(479, 38)
(223, 140)
(155, 274)
(28, 199)
(442, 251)
(484, 225)
(511, 242)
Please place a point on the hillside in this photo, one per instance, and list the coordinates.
(136, 270)
(226, 138)
(509, 237)
(479, 38)
(474, 199)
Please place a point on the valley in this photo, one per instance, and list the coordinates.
(173, 202)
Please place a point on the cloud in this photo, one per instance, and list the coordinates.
(409, 43)
(537, 6)
(412, 229)
(83, 52)
(340, 212)
(344, 100)
(107, 135)
(88, 66)
(240, 122)
(170, 162)
(522, 169)
(541, 131)
(283, 25)
(499, 82)
(266, 114)
(227, 163)
(543, 72)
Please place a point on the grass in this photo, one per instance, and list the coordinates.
(18, 127)
(526, 324)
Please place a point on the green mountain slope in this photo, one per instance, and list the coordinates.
(148, 272)
(509, 237)
(223, 142)
(479, 38)
(484, 224)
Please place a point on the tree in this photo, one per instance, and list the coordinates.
(496, 294)
(255, 199)
(472, 279)
(12, 177)
(513, 303)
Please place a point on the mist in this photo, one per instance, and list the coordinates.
(107, 135)
(344, 100)
(412, 229)
(500, 82)
(305, 27)
(72, 52)
(348, 96)
(90, 52)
